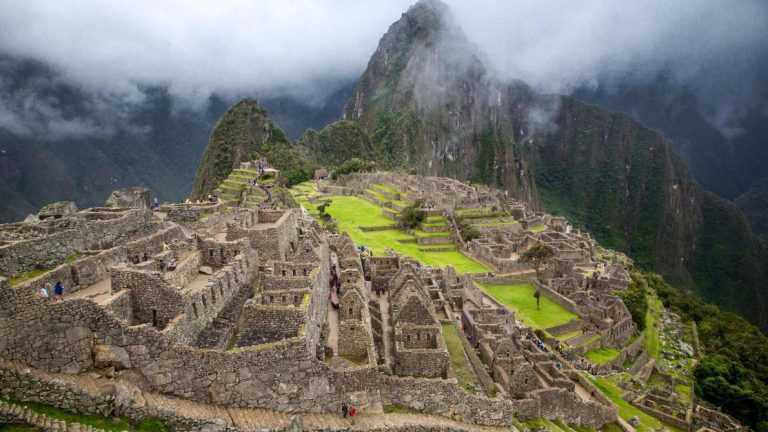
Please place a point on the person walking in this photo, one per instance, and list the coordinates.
(352, 413)
(344, 409)
(58, 288)
(44, 292)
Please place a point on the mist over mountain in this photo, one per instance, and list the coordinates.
(59, 141)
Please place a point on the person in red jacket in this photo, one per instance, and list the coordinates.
(352, 413)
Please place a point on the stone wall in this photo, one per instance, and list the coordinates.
(558, 403)
(272, 241)
(446, 398)
(264, 324)
(354, 338)
(56, 240)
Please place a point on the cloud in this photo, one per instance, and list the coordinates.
(305, 47)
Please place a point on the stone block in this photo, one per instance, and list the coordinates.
(111, 356)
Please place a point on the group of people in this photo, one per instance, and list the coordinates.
(58, 290)
(536, 341)
(364, 250)
(381, 290)
(136, 259)
(170, 265)
(348, 411)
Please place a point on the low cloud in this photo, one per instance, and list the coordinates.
(305, 48)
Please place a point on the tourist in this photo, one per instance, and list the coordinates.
(344, 409)
(58, 289)
(162, 265)
(44, 292)
(172, 265)
(352, 413)
(135, 259)
(145, 257)
(157, 204)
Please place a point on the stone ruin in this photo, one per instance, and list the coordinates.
(247, 317)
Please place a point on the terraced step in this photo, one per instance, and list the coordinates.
(583, 339)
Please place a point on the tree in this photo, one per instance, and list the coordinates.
(411, 216)
(538, 256)
(324, 216)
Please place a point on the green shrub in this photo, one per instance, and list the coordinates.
(354, 165)
(411, 216)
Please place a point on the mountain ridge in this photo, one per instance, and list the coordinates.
(614, 176)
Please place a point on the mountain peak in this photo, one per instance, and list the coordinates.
(426, 16)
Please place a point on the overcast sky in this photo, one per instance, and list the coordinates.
(199, 47)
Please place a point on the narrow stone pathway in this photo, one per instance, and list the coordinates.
(250, 419)
(386, 329)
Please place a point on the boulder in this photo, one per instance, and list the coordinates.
(205, 270)
(634, 421)
(57, 210)
(107, 356)
(132, 197)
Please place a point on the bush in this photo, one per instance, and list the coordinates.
(467, 230)
(354, 165)
(634, 299)
(411, 216)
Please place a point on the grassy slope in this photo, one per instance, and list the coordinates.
(601, 355)
(520, 298)
(353, 212)
(627, 411)
(460, 367)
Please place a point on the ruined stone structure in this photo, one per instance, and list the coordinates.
(247, 317)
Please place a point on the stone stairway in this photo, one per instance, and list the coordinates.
(183, 411)
(18, 414)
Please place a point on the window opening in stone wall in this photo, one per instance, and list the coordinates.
(154, 317)
(211, 253)
(294, 272)
(213, 295)
(418, 336)
(350, 311)
(271, 299)
(295, 299)
(283, 273)
(194, 309)
(283, 299)
(408, 338)
(221, 290)
(305, 272)
(205, 304)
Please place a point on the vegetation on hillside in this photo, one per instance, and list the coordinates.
(733, 373)
(635, 299)
(352, 166)
(467, 230)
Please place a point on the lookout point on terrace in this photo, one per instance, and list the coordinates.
(263, 309)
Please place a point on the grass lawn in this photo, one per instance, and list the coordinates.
(352, 212)
(387, 188)
(460, 367)
(601, 355)
(652, 320)
(627, 411)
(538, 228)
(520, 298)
